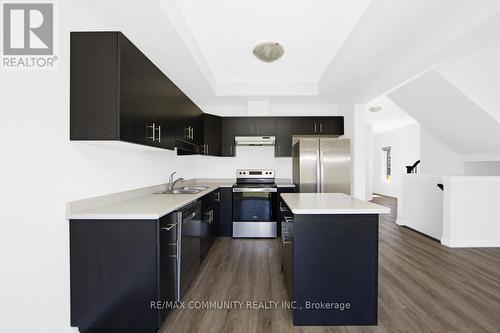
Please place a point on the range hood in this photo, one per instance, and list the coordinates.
(255, 140)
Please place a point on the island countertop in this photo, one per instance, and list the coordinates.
(330, 203)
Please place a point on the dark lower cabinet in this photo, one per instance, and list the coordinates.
(226, 212)
(330, 265)
(279, 208)
(120, 271)
(210, 222)
(227, 137)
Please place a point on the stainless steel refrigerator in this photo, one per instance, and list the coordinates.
(322, 165)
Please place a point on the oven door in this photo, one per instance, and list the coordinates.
(253, 204)
(254, 212)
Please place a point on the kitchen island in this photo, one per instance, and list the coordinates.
(330, 258)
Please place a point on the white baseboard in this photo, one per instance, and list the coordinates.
(470, 242)
(400, 221)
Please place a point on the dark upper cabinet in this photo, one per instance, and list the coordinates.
(259, 126)
(115, 92)
(227, 137)
(266, 126)
(189, 124)
(244, 126)
(318, 126)
(305, 126)
(331, 125)
(140, 118)
(212, 130)
(283, 146)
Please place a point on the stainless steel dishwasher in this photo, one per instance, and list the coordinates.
(189, 231)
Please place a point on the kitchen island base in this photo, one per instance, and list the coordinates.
(330, 264)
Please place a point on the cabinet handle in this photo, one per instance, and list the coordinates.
(252, 128)
(169, 227)
(321, 127)
(159, 133)
(188, 135)
(231, 150)
(315, 127)
(279, 150)
(208, 149)
(153, 130)
(218, 197)
(192, 133)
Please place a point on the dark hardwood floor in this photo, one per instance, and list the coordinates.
(424, 287)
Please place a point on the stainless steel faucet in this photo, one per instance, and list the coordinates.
(172, 182)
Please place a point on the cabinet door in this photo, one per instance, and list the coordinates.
(283, 137)
(212, 135)
(226, 212)
(265, 126)
(305, 125)
(332, 126)
(245, 126)
(136, 89)
(196, 122)
(166, 96)
(167, 269)
(227, 137)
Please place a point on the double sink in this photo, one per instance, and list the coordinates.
(185, 190)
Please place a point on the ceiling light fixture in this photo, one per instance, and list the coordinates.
(374, 108)
(269, 51)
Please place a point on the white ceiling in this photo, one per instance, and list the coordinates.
(311, 32)
(449, 115)
(366, 56)
(389, 118)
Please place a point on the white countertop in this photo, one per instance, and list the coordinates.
(330, 203)
(143, 204)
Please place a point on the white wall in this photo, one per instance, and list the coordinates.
(41, 170)
(369, 162)
(405, 144)
(487, 168)
(470, 213)
(246, 157)
(420, 205)
(436, 157)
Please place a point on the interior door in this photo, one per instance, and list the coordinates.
(335, 162)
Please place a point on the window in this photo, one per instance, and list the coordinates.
(387, 165)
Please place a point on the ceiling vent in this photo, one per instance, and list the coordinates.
(269, 51)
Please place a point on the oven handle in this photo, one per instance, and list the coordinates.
(268, 190)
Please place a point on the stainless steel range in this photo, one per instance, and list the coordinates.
(254, 204)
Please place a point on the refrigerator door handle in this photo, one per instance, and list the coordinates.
(321, 169)
(318, 172)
